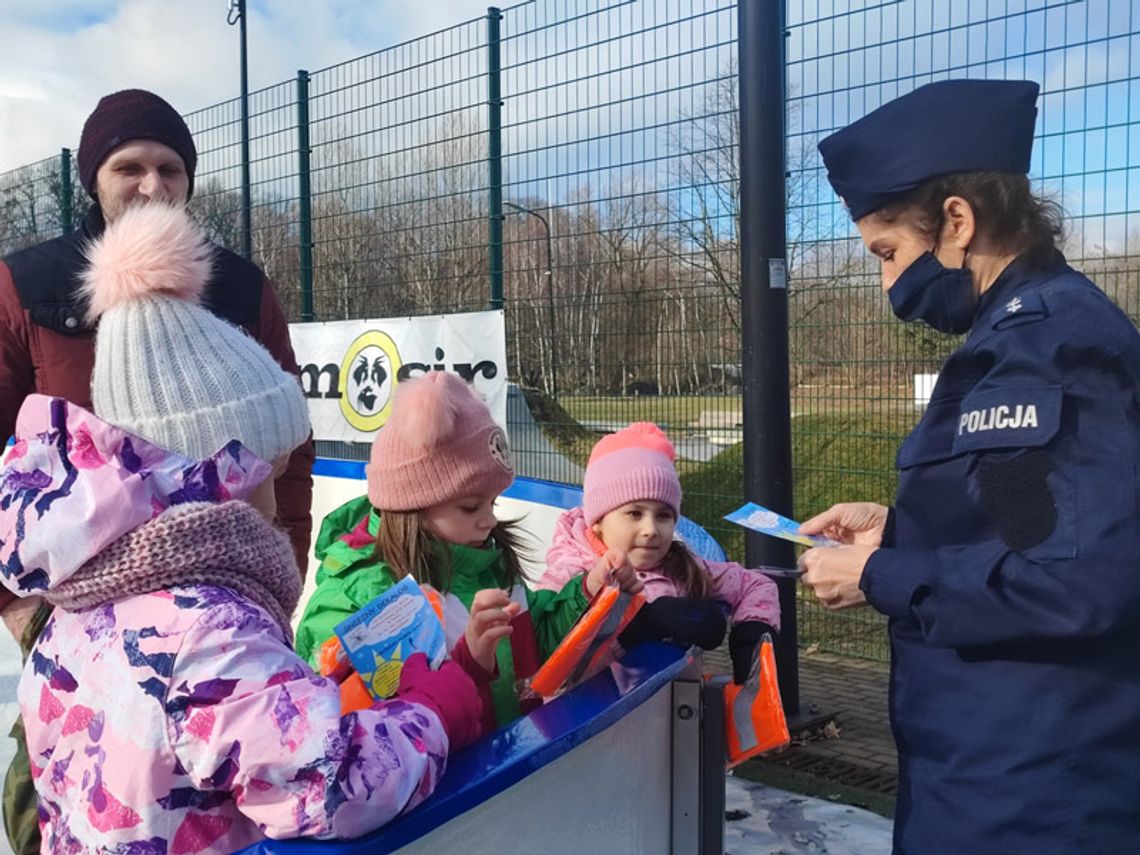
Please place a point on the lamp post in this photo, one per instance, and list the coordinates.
(522, 209)
(237, 15)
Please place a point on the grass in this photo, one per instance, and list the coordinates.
(671, 412)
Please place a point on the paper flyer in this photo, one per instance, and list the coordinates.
(757, 518)
(389, 629)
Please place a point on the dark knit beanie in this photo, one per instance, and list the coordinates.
(133, 114)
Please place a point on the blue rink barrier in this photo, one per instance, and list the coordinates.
(630, 761)
(540, 492)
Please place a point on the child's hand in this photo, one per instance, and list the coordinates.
(614, 564)
(491, 614)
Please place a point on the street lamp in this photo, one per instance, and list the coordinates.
(522, 209)
(236, 14)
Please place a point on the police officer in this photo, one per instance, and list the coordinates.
(1010, 564)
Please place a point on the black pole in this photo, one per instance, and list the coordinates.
(764, 307)
(304, 192)
(246, 218)
(495, 157)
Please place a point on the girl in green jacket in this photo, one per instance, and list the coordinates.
(436, 469)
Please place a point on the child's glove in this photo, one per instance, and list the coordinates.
(449, 692)
(742, 643)
(682, 620)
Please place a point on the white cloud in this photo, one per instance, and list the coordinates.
(60, 56)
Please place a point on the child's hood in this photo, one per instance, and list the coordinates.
(72, 484)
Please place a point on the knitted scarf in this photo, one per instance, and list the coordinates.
(229, 545)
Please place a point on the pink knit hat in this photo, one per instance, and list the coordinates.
(439, 444)
(634, 464)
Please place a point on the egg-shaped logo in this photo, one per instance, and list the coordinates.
(368, 380)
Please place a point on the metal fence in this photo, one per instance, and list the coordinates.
(577, 160)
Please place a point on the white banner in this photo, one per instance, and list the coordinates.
(349, 369)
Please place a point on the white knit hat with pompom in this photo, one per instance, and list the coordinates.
(167, 369)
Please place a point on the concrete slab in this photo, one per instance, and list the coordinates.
(767, 821)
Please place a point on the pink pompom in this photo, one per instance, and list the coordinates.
(151, 250)
(427, 409)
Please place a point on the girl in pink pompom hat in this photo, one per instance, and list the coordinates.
(631, 502)
(437, 467)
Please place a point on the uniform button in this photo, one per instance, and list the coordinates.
(71, 323)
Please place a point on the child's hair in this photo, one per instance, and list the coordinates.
(408, 548)
(682, 567)
(439, 444)
(635, 464)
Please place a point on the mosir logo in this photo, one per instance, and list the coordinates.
(368, 374)
(364, 381)
(998, 418)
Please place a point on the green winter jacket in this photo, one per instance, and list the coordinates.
(351, 574)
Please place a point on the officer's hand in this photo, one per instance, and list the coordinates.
(850, 522)
(833, 574)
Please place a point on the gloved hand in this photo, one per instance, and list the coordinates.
(682, 620)
(448, 692)
(742, 643)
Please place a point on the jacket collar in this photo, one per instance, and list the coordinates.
(93, 223)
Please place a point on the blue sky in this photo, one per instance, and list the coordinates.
(60, 56)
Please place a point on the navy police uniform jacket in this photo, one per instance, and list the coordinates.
(1011, 576)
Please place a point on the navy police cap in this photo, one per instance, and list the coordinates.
(938, 129)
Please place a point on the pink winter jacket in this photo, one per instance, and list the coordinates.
(750, 595)
(179, 721)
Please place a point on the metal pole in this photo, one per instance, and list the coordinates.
(550, 300)
(65, 201)
(237, 15)
(495, 156)
(522, 209)
(305, 200)
(764, 306)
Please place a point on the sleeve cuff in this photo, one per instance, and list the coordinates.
(461, 655)
(889, 583)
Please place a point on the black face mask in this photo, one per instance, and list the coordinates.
(927, 291)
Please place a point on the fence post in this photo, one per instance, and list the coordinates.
(65, 200)
(495, 157)
(304, 196)
(764, 307)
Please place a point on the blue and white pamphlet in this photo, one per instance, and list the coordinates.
(386, 631)
(758, 518)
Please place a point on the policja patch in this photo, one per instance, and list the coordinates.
(1009, 417)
